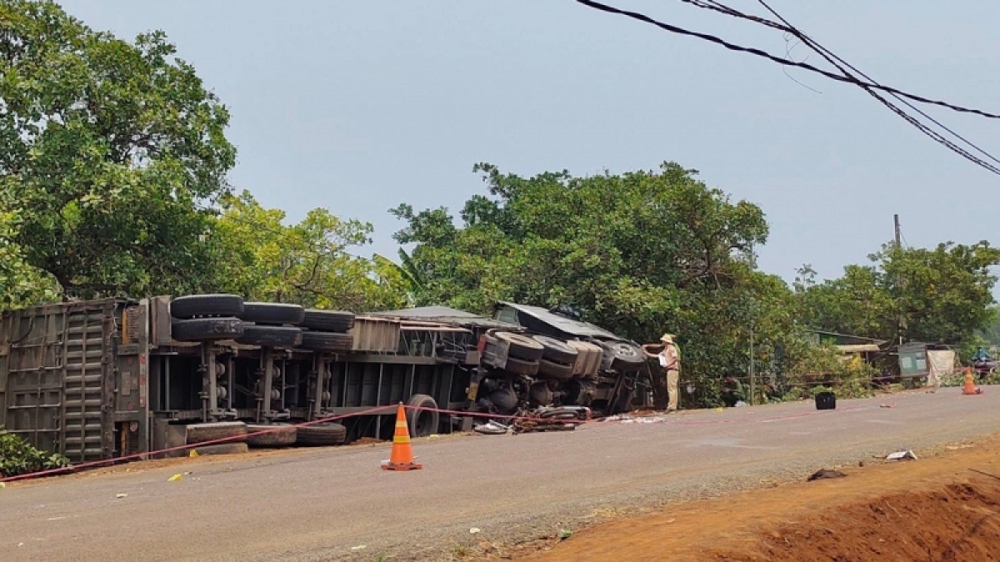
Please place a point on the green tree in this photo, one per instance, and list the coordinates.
(942, 294)
(639, 253)
(110, 152)
(260, 257)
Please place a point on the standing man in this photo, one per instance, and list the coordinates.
(670, 361)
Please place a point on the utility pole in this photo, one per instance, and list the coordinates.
(753, 265)
(900, 321)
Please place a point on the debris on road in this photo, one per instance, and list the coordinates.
(565, 534)
(557, 418)
(175, 477)
(901, 455)
(491, 428)
(893, 405)
(475, 531)
(359, 547)
(121, 496)
(825, 473)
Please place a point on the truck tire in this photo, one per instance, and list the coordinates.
(279, 435)
(557, 371)
(223, 449)
(521, 367)
(557, 351)
(328, 320)
(193, 306)
(270, 313)
(520, 347)
(202, 432)
(422, 423)
(321, 434)
(625, 357)
(271, 336)
(327, 341)
(206, 329)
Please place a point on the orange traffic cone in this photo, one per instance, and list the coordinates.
(402, 454)
(970, 387)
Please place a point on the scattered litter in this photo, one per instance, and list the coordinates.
(671, 520)
(893, 405)
(193, 453)
(433, 436)
(565, 534)
(359, 547)
(825, 473)
(718, 409)
(475, 530)
(2, 485)
(901, 455)
(121, 496)
(631, 419)
(491, 428)
(175, 478)
(20, 544)
(740, 404)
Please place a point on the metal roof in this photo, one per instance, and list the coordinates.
(561, 323)
(443, 315)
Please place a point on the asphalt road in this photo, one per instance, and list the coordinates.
(331, 503)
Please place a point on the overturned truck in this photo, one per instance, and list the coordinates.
(114, 377)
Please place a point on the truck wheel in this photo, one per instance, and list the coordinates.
(625, 357)
(328, 320)
(273, 313)
(321, 434)
(271, 336)
(202, 432)
(206, 305)
(223, 449)
(557, 371)
(279, 435)
(521, 367)
(557, 351)
(327, 341)
(204, 329)
(422, 422)
(521, 347)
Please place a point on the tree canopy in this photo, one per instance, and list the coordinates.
(641, 253)
(110, 153)
(940, 295)
(261, 258)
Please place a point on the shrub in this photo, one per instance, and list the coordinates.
(19, 457)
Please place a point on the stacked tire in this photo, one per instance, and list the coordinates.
(327, 331)
(271, 324)
(558, 360)
(217, 438)
(198, 318)
(523, 353)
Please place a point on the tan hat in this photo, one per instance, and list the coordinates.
(667, 338)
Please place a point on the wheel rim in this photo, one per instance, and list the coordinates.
(422, 423)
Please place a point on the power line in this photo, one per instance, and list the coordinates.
(828, 55)
(763, 54)
(870, 86)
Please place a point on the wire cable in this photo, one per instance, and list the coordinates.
(871, 87)
(763, 54)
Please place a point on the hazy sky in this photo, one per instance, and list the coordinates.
(359, 106)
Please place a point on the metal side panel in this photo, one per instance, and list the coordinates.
(89, 384)
(59, 377)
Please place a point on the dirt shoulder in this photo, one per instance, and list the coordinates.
(935, 508)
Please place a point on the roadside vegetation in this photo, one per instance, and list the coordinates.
(113, 182)
(18, 457)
